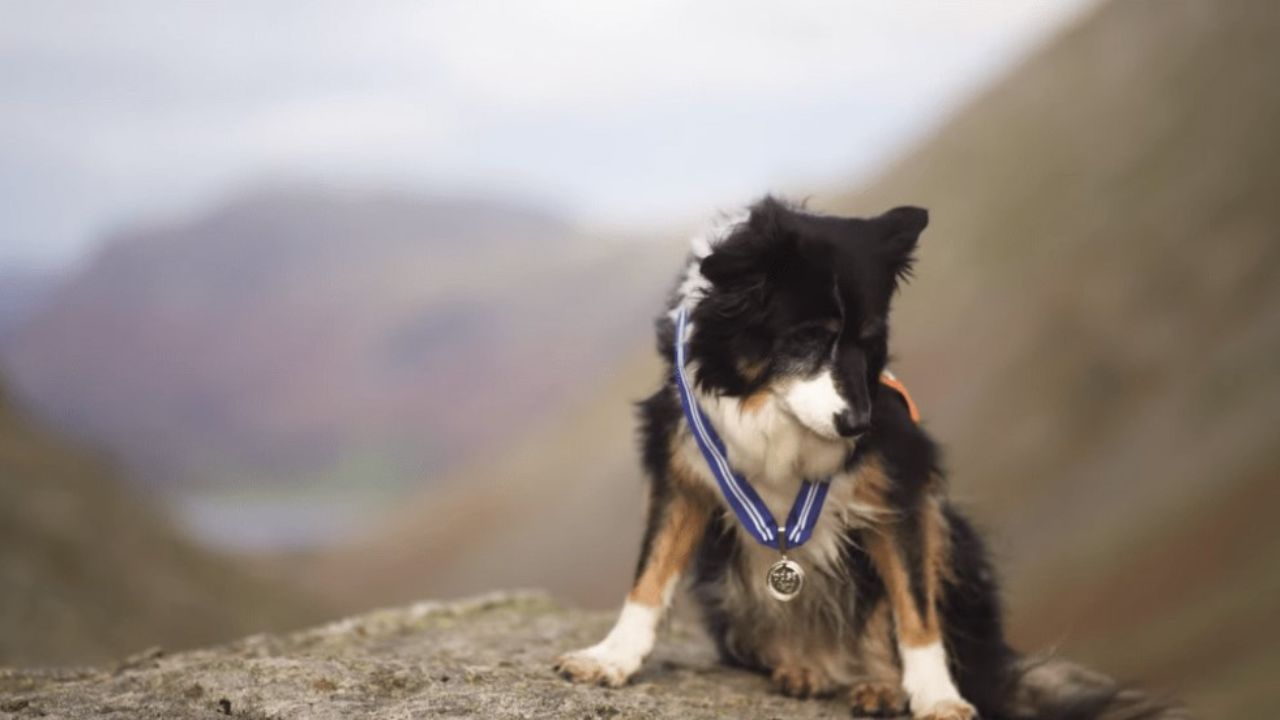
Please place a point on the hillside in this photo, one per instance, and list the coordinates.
(1093, 329)
(1091, 332)
(325, 339)
(89, 572)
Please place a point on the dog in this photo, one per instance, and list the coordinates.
(776, 341)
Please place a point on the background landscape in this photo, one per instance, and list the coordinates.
(313, 392)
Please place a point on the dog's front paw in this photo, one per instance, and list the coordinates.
(878, 700)
(597, 665)
(946, 710)
(801, 681)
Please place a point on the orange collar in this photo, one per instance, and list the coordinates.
(887, 378)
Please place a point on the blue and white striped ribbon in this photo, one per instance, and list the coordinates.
(746, 504)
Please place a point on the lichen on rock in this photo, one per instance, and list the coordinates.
(484, 657)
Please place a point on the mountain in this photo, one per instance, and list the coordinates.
(1091, 332)
(353, 342)
(90, 572)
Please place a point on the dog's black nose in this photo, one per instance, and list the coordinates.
(852, 425)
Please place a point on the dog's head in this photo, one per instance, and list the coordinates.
(797, 307)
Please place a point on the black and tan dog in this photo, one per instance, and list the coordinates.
(785, 348)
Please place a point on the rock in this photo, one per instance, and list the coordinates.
(485, 657)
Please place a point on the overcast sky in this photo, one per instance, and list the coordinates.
(612, 112)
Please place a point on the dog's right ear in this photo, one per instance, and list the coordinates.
(902, 227)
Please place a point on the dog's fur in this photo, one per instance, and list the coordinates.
(787, 341)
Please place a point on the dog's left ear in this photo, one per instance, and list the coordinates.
(901, 228)
(758, 248)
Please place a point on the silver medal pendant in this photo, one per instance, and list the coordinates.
(785, 579)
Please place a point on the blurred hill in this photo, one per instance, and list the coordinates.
(1094, 328)
(1092, 333)
(318, 339)
(89, 573)
(21, 293)
(559, 507)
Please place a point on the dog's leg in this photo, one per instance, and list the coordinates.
(878, 690)
(910, 554)
(676, 523)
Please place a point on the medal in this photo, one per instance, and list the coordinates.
(785, 580)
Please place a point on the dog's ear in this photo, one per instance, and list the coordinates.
(756, 249)
(736, 263)
(901, 228)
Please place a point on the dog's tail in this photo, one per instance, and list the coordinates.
(1050, 688)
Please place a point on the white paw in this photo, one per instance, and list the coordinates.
(598, 664)
(946, 710)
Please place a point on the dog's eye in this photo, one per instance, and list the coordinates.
(813, 337)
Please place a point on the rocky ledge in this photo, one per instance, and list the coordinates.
(486, 657)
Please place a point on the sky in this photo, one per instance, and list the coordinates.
(614, 113)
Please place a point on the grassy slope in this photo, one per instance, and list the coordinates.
(1093, 332)
(88, 574)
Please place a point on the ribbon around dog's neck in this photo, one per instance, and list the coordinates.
(742, 498)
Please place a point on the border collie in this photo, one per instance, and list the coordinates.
(776, 342)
